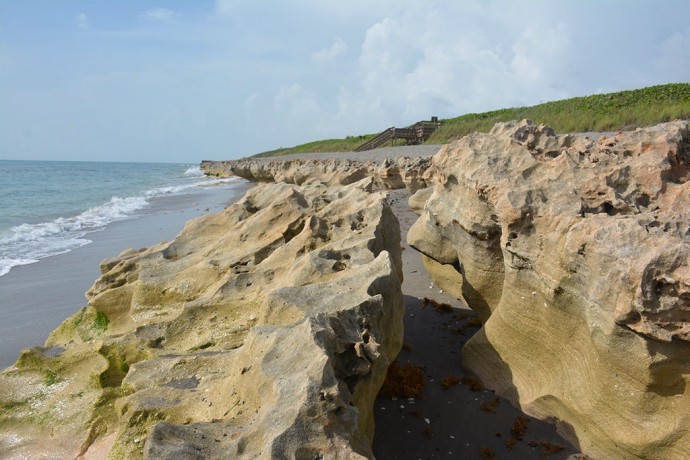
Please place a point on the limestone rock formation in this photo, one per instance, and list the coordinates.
(263, 331)
(391, 173)
(576, 256)
(417, 201)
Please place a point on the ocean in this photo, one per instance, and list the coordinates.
(59, 220)
(51, 207)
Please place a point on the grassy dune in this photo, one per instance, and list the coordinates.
(600, 112)
(329, 145)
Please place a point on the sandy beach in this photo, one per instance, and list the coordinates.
(36, 298)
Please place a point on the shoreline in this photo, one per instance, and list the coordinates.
(38, 297)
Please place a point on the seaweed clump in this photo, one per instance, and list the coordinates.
(440, 307)
(405, 381)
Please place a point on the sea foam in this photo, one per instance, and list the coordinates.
(194, 171)
(28, 243)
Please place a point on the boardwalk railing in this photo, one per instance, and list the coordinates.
(413, 134)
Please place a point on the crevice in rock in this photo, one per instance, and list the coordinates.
(293, 230)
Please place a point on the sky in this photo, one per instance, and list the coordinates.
(182, 81)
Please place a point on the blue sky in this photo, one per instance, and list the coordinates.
(181, 81)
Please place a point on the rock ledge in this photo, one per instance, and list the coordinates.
(263, 331)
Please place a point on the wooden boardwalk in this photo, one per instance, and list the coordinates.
(413, 134)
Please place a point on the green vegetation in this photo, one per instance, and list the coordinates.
(51, 377)
(79, 317)
(101, 322)
(600, 112)
(87, 324)
(329, 145)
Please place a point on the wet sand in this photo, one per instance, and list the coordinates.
(452, 422)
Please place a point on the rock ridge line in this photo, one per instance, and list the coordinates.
(389, 173)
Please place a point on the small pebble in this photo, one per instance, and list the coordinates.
(427, 421)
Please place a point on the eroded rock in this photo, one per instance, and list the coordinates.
(575, 254)
(391, 173)
(263, 331)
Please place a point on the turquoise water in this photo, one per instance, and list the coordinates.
(50, 207)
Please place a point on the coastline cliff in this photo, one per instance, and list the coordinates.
(266, 330)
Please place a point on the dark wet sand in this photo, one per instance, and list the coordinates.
(448, 423)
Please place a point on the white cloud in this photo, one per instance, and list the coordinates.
(328, 55)
(539, 54)
(312, 70)
(159, 15)
(83, 21)
(455, 60)
(297, 102)
(431, 60)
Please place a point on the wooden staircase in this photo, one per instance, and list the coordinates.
(413, 134)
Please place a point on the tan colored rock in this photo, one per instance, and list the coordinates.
(390, 173)
(263, 331)
(417, 201)
(575, 254)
